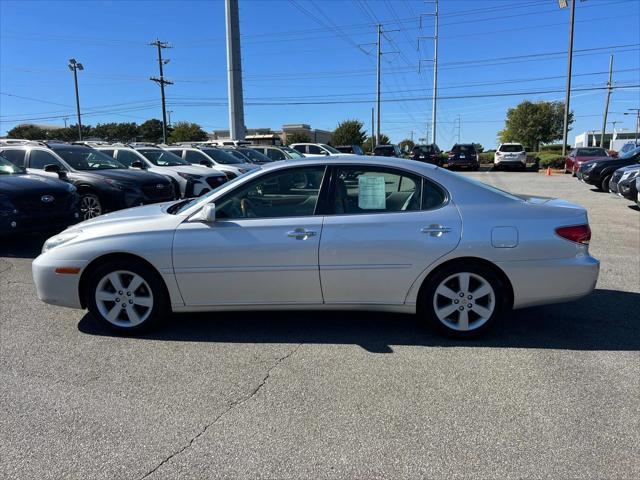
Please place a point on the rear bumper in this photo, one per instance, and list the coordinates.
(541, 282)
(511, 162)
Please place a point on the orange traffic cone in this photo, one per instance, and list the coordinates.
(548, 171)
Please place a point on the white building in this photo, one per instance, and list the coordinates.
(612, 140)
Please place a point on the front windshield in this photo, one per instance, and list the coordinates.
(184, 205)
(81, 158)
(329, 148)
(591, 152)
(163, 158)
(630, 153)
(254, 156)
(221, 157)
(8, 168)
(238, 155)
(292, 152)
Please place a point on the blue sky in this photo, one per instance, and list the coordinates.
(299, 52)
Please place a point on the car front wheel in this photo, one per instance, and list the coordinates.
(604, 186)
(464, 301)
(127, 296)
(90, 206)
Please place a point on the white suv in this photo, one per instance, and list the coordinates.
(510, 155)
(192, 181)
(214, 157)
(317, 150)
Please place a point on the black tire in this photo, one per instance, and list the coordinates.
(90, 205)
(428, 297)
(159, 294)
(604, 185)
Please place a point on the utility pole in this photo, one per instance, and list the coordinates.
(74, 67)
(378, 84)
(169, 112)
(435, 76)
(637, 110)
(373, 130)
(162, 82)
(65, 119)
(606, 104)
(234, 71)
(434, 99)
(567, 98)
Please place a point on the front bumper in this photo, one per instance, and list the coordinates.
(24, 223)
(57, 288)
(541, 282)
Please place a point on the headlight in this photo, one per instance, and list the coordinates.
(590, 166)
(189, 176)
(60, 239)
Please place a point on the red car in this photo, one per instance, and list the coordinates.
(578, 156)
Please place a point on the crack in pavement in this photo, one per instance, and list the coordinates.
(232, 405)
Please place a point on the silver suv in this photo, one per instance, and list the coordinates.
(510, 155)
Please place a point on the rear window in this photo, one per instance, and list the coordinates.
(511, 148)
(591, 152)
(464, 148)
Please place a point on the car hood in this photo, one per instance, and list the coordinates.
(588, 159)
(630, 168)
(122, 175)
(31, 183)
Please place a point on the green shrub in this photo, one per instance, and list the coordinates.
(486, 158)
(552, 160)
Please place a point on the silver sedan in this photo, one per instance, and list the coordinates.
(361, 233)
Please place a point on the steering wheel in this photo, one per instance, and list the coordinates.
(247, 208)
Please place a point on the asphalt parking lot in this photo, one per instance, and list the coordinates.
(554, 393)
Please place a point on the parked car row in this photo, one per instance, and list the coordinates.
(620, 175)
(104, 177)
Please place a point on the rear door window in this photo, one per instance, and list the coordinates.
(39, 159)
(15, 156)
(315, 150)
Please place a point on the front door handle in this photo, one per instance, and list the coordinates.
(435, 230)
(301, 234)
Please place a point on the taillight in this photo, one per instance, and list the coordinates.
(575, 233)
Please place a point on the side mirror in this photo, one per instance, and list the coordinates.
(52, 168)
(137, 164)
(208, 213)
(205, 163)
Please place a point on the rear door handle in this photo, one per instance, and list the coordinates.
(301, 234)
(435, 230)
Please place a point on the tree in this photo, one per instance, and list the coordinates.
(297, 137)
(187, 132)
(116, 132)
(533, 123)
(406, 145)
(349, 132)
(27, 132)
(151, 131)
(370, 143)
(479, 148)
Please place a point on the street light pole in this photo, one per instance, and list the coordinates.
(567, 98)
(74, 66)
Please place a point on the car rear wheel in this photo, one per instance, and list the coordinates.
(464, 300)
(90, 206)
(127, 296)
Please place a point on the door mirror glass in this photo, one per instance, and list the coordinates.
(208, 213)
(52, 168)
(137, 164)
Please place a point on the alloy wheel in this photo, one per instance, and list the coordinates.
(464, 301)
(90, 207)
(124, 298)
